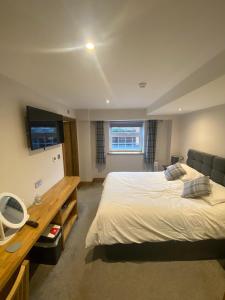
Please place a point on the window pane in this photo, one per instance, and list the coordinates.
(126, 138)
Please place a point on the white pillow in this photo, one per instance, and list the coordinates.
(191, 173)
(217, 195)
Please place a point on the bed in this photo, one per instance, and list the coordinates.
(143, 214)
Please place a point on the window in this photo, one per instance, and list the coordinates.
(126, 136)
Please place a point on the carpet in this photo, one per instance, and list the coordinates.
(82, 275)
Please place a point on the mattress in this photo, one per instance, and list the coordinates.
(138, 207)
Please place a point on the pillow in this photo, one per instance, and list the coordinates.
(217, 195)
(197, 187)
(174, 172)
(190, 173)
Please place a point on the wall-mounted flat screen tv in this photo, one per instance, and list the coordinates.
(45, 128)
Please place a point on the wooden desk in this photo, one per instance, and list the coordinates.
(50, 208)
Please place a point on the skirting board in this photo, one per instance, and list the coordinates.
(84, 184)
(167, 251)
(89, 183)
(99, 180)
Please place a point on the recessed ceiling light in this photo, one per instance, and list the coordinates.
(90, 46)
(180, 109)
(107, 101)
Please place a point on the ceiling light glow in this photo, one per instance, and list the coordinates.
(180, 109)
(90, 46)
(107, 101)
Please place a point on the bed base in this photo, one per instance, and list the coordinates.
(167, 251)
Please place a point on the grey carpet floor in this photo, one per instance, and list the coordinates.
(81, 277)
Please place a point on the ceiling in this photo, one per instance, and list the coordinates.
(162, 42)
(209, 95)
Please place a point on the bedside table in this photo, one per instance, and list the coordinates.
(165, 167)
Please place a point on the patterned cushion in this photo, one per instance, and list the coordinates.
(174, 172)
(197, 187)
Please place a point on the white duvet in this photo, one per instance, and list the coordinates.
(139, 207)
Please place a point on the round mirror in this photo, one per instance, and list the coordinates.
(13, 212)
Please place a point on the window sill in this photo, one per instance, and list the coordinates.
(124, 153)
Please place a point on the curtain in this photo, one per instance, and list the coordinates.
(150, 143)
(100, 143)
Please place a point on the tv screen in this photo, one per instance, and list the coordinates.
(45, 128)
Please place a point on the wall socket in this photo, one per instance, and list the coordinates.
(38, 183)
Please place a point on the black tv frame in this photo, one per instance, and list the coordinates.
(39, 115)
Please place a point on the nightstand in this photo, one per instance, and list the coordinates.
(165, 167)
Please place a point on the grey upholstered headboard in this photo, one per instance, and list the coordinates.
(209, 165)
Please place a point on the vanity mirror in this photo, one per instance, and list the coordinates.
(13, 215)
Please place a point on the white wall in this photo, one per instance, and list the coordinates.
(130, 162)
(84, 149)
(114, 162)
(117, 162)
(175, 136)
(19, 167)
(203, 131)
(117, 114)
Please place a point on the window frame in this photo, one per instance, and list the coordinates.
(123, 151)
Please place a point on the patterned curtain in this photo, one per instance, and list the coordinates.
(100, 143)
(150, 143)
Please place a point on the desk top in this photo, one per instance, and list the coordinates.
(52, 201)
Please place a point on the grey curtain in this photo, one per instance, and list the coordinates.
(100, 143)
(150, 143)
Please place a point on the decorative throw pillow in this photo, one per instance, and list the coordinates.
(174, 172)
(197, 187)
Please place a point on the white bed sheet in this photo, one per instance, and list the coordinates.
(144, 206)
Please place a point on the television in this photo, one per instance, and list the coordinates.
(45, 128)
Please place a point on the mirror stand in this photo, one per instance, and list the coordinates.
(6, 234)
(13, 215)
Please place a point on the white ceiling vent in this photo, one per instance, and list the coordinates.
(142, 84)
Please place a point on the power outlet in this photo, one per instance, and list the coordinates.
(38, 183)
